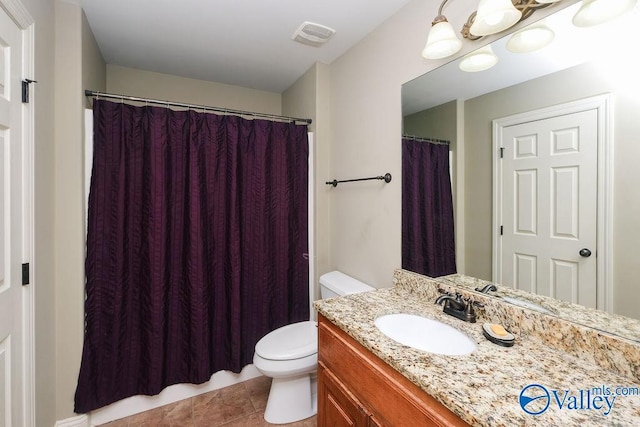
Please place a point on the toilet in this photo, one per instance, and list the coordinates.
(289, 355)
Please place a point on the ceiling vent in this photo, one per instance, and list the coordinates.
(313, 34)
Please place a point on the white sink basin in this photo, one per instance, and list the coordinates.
(425, 334)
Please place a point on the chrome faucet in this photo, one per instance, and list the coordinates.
(487, 288)
(457, 307)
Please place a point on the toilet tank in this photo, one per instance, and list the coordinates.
(336, 284)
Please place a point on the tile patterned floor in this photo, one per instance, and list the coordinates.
(240, 405)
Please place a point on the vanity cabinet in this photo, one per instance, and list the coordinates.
(338, 406)
(356, 388)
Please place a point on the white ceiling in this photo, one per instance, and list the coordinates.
(239, 42)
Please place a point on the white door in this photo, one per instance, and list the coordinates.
(11, 225)
(549, 207)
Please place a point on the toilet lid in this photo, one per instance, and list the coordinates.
(289, 342)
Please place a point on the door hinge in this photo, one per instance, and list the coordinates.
(501, 230)
(25, 274)
(501, 152)
(25, 90)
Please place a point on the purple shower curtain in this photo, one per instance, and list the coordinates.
(196, 243)
(428, 243)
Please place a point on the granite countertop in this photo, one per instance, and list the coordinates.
(611, 323)
(483, 387)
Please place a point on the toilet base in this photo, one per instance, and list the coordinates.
(291, 399)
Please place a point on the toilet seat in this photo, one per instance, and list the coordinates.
(294, 341)
(286, 368)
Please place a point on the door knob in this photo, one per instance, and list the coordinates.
(584, 252)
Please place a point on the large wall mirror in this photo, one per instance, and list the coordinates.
(583, 69)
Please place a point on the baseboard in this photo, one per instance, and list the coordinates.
(136, 404)
(78, 421)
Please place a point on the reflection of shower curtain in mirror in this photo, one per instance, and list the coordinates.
(428, 244)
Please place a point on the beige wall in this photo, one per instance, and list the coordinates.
(308, 98)
(42, 12)
(572, 84)
(147, 84)
(365, 141)
(77, 63)
(68, 206)
(94, 69)
(626, 205)
(438, 122)
(366, 123)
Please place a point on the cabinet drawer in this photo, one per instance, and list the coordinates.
(337, 406)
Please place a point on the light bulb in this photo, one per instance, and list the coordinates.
(595, 12)
(494, 16)
(479, 60)
(530, 39)
(442, 40)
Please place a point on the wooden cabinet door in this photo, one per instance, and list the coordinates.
(337, 406)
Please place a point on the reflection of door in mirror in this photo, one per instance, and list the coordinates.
(428, 243)
(548, 210)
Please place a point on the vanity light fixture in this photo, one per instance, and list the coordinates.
(531, 38)
(479, 60)
(442, 40)
(492, 16)
(595, 12)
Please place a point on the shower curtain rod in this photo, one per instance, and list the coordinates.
(429, 140)
(96, 94)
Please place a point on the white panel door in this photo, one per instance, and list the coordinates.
(549, 207)
(11, 225)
